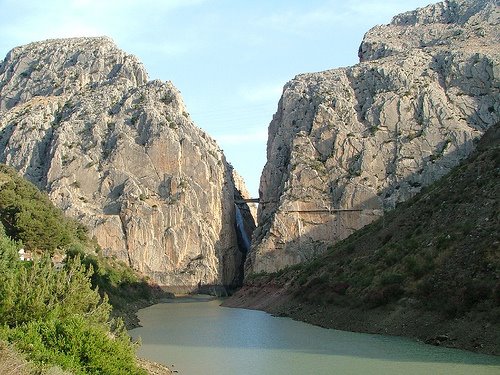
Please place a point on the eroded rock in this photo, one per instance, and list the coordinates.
(79, 118)
(347, 144)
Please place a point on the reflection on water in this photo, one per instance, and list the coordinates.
(199, 337)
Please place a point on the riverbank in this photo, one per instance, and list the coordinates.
(397, 319)
(128, 313)
(154, 368)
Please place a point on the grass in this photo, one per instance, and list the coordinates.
(12, 362)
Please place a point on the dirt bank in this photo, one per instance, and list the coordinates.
(399, 319)
(154, 368)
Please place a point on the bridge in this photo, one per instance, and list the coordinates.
(248, 200)
(323, 210)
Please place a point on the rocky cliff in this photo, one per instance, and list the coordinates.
(429, 269)
(79, 118)
(345, 145)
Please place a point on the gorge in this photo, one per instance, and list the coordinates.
(80, 119)
(378, 204)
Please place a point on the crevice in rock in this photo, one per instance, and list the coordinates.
(125, 238)
(244, 224)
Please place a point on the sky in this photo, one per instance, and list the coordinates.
(229, 58)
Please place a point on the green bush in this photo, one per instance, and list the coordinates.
(475, 292)
(77, 345)
(28, 215)
(389, 278)
(380, 297)
(418, 265)
(57, 318)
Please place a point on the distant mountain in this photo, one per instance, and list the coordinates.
(429, 269)
(119, 153)
(347, 145)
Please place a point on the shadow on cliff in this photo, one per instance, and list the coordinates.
(308, 245)
(239, 227)
(436, 165)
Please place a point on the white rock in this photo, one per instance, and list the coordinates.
(369, 136)
(79, 118)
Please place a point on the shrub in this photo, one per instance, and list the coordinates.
(75, 344)
(475, 292)
(418, 266)
(58, 318)
(301, 279)
(390, 278)
(379, 297)
(167, 98)
(496, 293)
(39, 291)
(28, 215)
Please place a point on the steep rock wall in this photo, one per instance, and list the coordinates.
(347, 144)
(79, 118)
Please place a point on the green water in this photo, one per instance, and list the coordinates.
(199, 337)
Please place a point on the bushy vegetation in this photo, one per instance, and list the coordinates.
(56, 316)
(59, 314)
(113, 278)
(27, 214)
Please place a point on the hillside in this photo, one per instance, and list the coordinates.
(429, 269)
(68, 290)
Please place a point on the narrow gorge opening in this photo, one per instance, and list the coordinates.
(244, 244)
(244, 226)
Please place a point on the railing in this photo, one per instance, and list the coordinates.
(323, 210)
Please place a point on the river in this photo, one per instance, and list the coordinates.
(197, 337)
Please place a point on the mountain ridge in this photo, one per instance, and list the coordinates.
(353, 142)
(79, 118)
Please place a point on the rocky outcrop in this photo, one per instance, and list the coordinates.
(347, 144)
(428, 270)
(79, 118)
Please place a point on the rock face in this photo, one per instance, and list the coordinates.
(347, 144)
(79, 118)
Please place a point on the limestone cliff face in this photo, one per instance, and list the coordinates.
(349, 143)
(79, 118)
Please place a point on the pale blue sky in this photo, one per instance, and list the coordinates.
(230, 59)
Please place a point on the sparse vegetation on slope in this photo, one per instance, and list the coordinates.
(56, 317)
(437, 253)
(58, 313)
